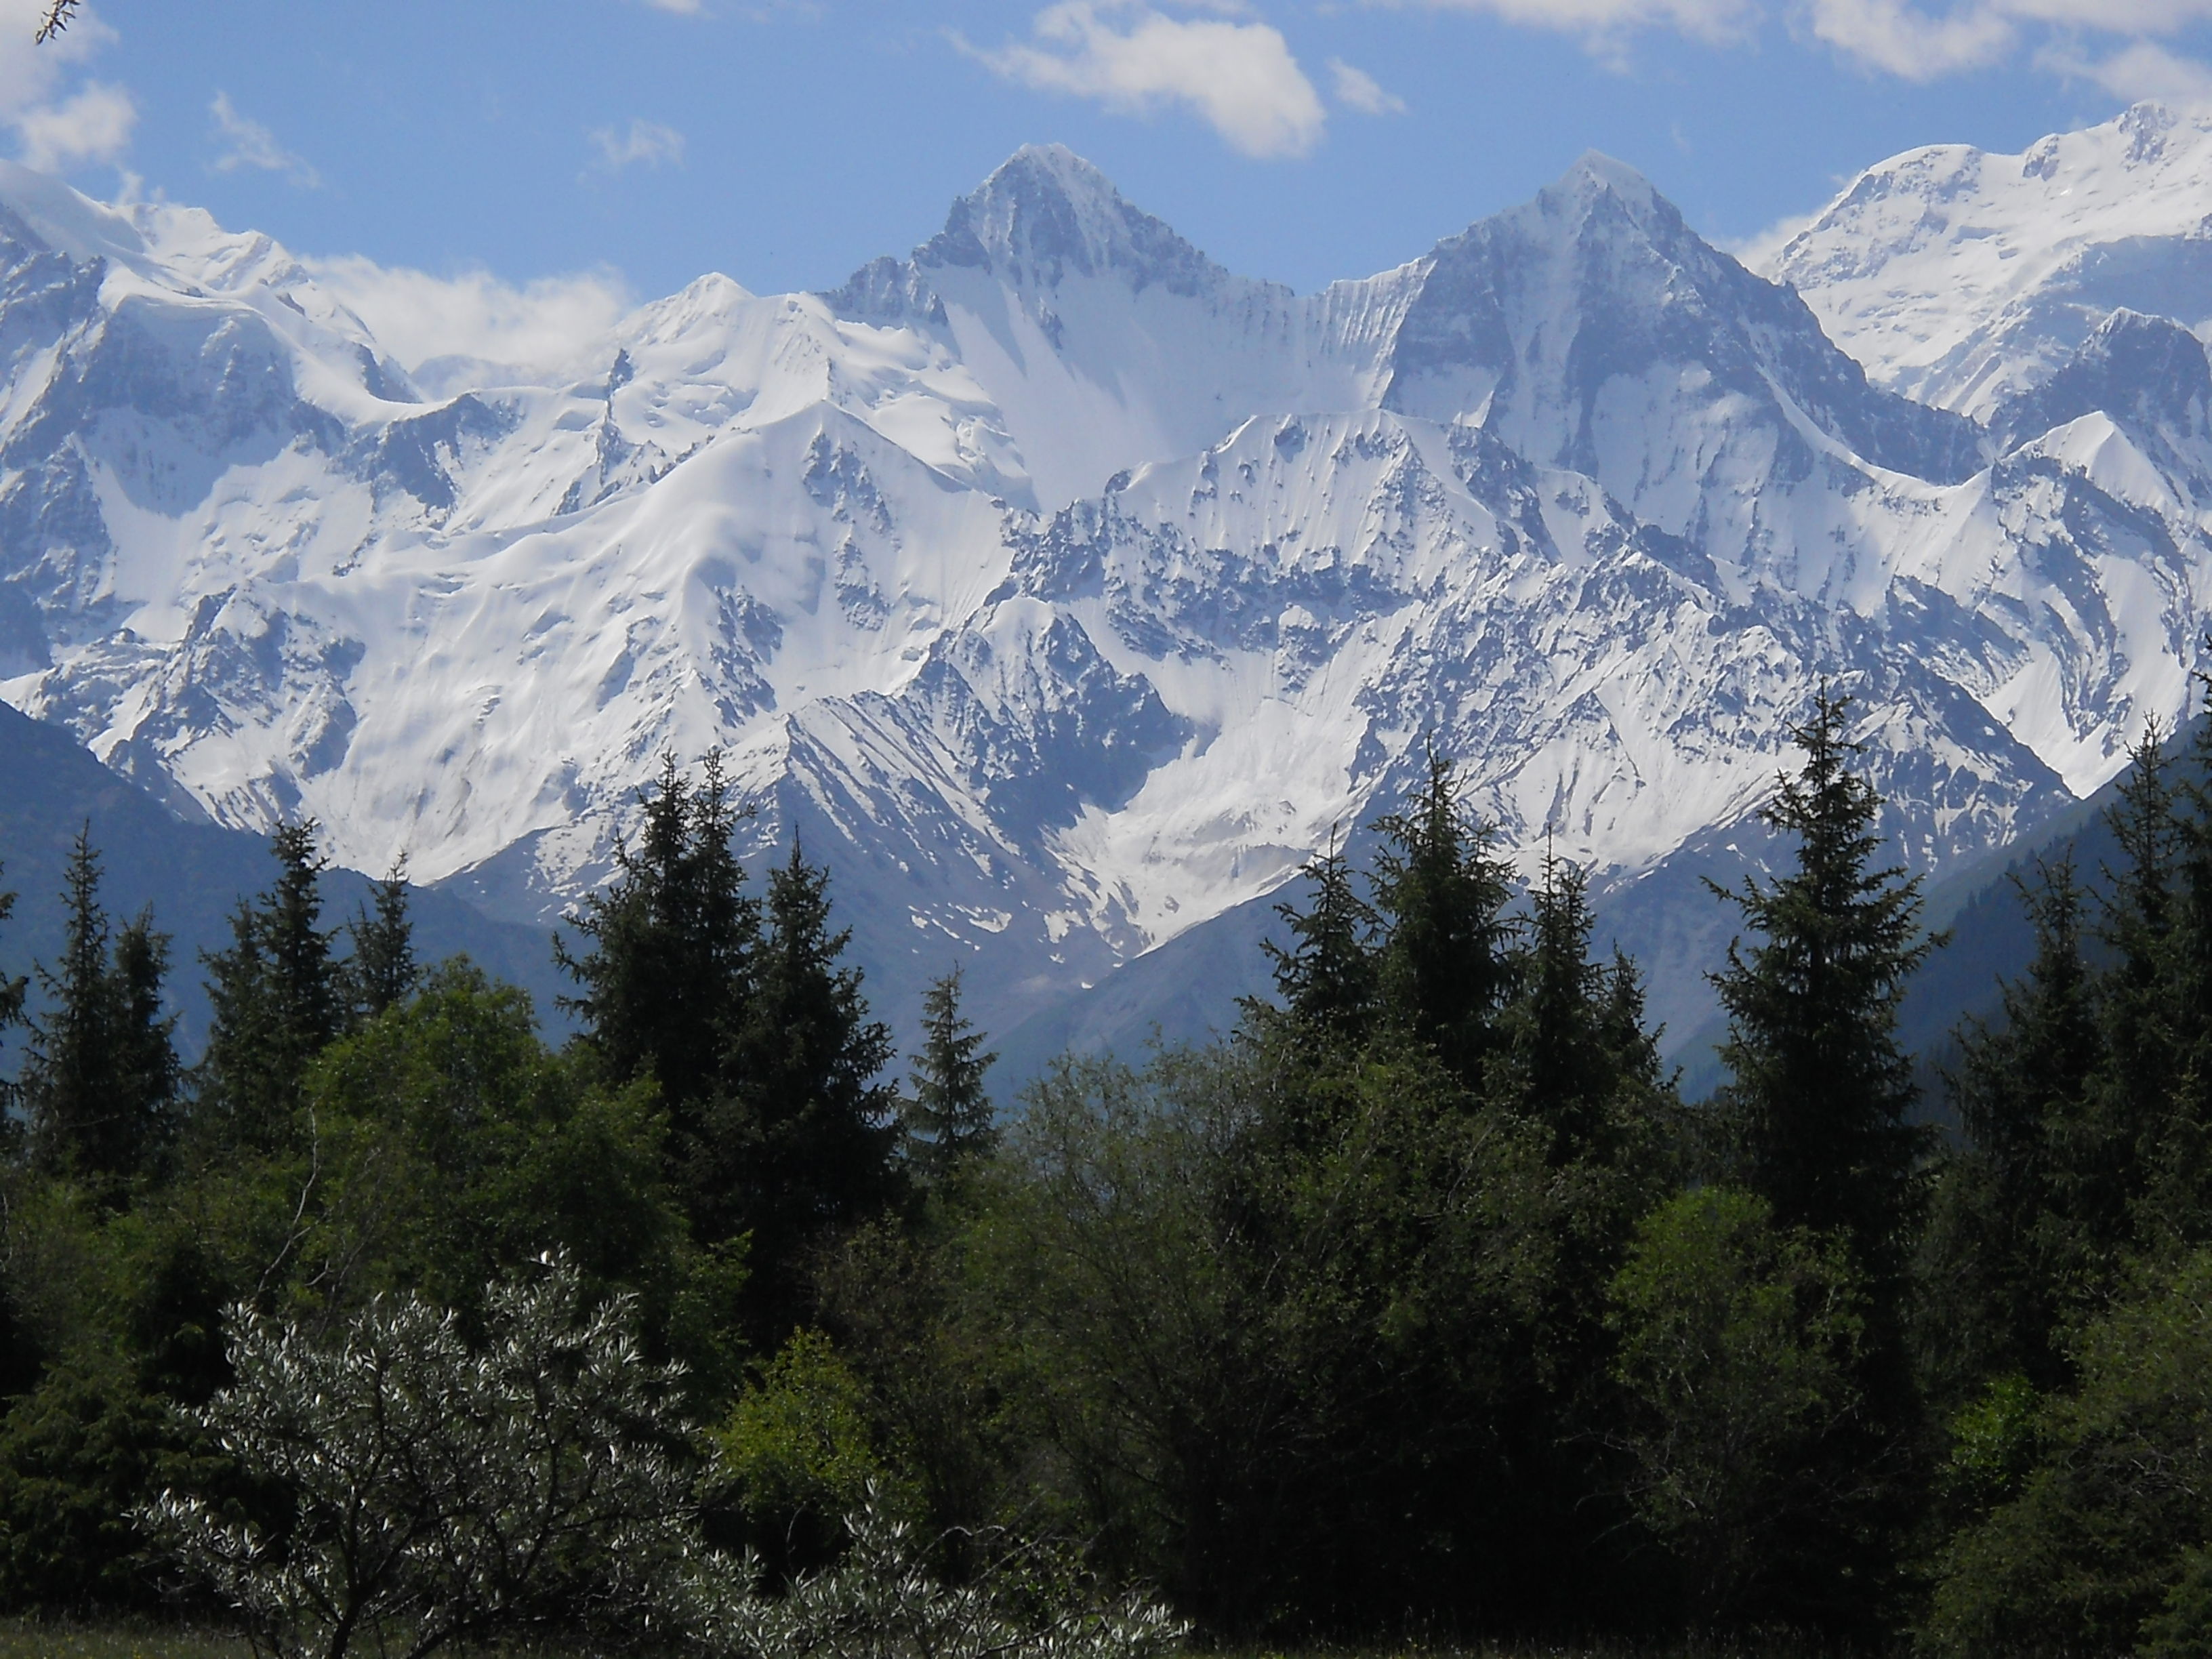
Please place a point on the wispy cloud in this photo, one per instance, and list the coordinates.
(1917, 41)
(548, 326)
(646, 143)
(60, 120)
(2144, 69)
(1357, 89)
(1239, 76)
(248, 145)
(93, 124)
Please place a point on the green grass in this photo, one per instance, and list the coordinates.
(24, 1639)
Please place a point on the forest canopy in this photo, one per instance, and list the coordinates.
(1422, 1303)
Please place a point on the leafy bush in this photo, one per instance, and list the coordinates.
(801, 1451)
(877, 1603)
(441, 1492)
(2102, 1549)
(1738, 1342)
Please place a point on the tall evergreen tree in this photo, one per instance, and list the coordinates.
(99, 1080)
(1562, 1026)
(2005, 1233)
(277, 1001)
(382, 970)
(1327, 978)
(65, 1073)
(1444, 968)
(948, 1121)
(1820, 1095)
(1817, 1115)
(12, 995)
(801, 1144)
(665, 976)
(2176, 1208)
(2132, 1096)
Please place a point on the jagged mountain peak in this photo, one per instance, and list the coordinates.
(2147, 373)
(1962, 277)
(1047, 213)
(1595, 174)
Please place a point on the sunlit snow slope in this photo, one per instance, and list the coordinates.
(1065, 590)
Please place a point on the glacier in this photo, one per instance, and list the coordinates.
(1066, 591)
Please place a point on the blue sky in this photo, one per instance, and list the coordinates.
(619, 147)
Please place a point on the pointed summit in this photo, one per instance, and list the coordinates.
(1047, 213)
(1044, 217)
(1594, 171)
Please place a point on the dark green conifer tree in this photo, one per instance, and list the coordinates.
(1444, 970)
(1819, 1100)
(277, 1002)
(1817, 1119)
(99, 1080)
(800, 1146)
(2003, 1239)
(948, 1121)
(12, 995)
(1327, 978)
(2112, 1143)
(1562, 1028)
(666, 974)
(382, 971)
(2176, 1208)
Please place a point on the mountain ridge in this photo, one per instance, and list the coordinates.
(1071, 586)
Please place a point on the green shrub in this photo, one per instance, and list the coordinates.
(2102, 1548)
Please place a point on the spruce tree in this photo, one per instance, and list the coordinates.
(100, 1081)
(147, 1068)
(1561, 1028)
(666, 974)
(278, 1003)
(1444, 970)
(65, 1072)
(801, 1147)
(12, 990)
(382, 971)
(1327, 978)
(2176, 1209)
(948, 1121)
(2133, 1093)
(1817, 1115)
(1820, 1099)
(2007, 1235)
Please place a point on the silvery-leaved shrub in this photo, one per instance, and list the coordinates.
(442, 1491)
(880, 1602)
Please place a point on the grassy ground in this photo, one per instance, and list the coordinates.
(24, 1639)
(21, 1640)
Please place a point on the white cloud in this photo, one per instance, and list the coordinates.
(1914, 40)
(1239, 76)
(681, 7)
(2144, 69)
(1603, 22)
(1901, 39)
(60, 122)
(645, 143)
(91, 125)
(1357, 89)
(551, 324)
(247, 144)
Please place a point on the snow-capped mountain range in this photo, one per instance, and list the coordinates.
(1066, 590)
